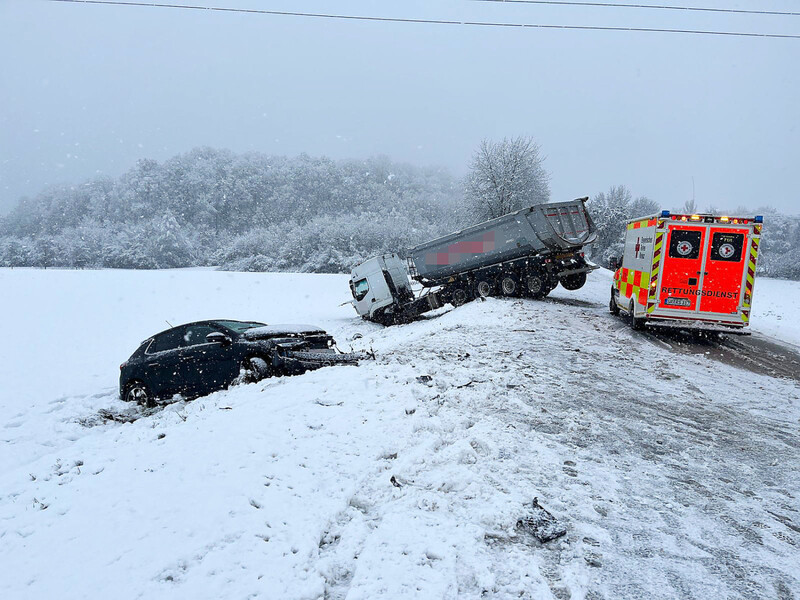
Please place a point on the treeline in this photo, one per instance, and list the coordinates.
(243, 212)
(254, 212)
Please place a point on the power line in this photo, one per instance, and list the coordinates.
(741, 11)
(434, 21)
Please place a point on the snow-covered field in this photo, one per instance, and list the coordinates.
(776, 309)
(677, 476)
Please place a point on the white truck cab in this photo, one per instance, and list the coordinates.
(372, 281)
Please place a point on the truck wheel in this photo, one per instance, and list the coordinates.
(612, 305)
(537, 287)
(573, 282)
(508, 285)
(636, 323)
(459, 296)
(483, 288)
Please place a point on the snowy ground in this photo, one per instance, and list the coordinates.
(776, 307)
(676, 475)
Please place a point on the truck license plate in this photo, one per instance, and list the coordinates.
(677, 302)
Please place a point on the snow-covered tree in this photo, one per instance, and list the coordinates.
(506, 176)
(610, 211)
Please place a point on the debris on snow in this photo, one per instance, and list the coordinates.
(541, 524)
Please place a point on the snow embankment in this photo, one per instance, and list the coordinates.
(776, 309)
(402, 478)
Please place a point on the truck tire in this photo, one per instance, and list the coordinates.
(573, 282)
(612, 305)
(636, 323)
(509, 285)
(483, 288)
(537, 285)
(459, 296)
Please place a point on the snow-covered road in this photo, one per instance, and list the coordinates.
(677, 475)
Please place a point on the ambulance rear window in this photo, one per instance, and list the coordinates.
(684, 244)
(727, 246)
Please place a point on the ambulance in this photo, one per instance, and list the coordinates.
(687, 271)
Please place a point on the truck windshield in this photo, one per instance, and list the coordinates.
(360, 289)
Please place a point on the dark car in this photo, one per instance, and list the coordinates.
(198, 358)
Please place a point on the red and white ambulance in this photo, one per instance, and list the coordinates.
(688, 271)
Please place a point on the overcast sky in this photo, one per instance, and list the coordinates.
(88, 90)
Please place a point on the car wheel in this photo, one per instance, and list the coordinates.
(612, 305)
(138, 392)
(508, 285)
(253, 369)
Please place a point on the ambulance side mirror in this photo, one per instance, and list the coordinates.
(613, 262)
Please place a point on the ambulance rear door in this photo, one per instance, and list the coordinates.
(724, 270)
(682, 269)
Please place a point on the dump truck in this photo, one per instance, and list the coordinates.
(524, 253)
(689, 271)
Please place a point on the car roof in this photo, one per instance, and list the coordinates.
(206, 322)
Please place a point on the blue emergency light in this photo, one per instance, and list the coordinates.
(664, 214)
(758, 219)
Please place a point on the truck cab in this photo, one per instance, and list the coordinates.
(379, 284)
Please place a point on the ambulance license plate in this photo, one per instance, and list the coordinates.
(677, 302)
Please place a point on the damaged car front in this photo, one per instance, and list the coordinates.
(294, 349)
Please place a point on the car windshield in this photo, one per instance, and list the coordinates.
(240, 326)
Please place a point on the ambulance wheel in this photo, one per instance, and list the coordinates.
(612, 305)
(573, 282)
(636, 323)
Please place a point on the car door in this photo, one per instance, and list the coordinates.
(206, 366)
(163, 363)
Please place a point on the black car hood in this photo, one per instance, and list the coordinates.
(271, 331)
